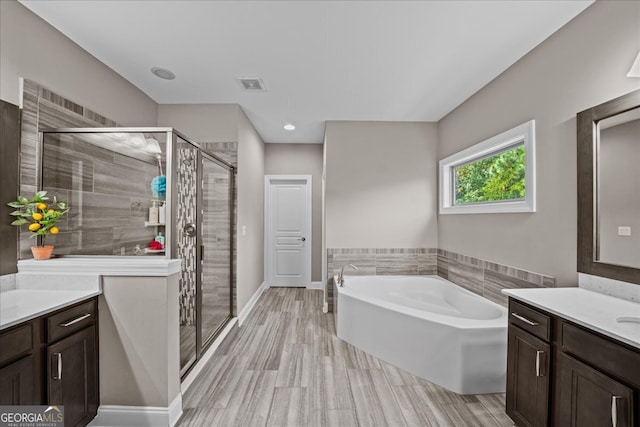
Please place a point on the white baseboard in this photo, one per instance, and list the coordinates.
(139, 416)
(193, 374)
(175, 410)
(249, 305)
(315, 285)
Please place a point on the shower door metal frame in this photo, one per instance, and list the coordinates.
(202, 344)
(170, 169)
(171, 212)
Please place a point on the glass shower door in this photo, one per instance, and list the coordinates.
(216, 251)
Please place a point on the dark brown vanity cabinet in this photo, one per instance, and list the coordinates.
(563, 375)
(528, 366)
(597, 380)
(590, 398)
(53, 360)
(72, 368)
(18, 366)
(16, 383)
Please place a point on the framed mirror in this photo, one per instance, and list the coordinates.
(609, 189)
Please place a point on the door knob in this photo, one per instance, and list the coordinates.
(303, 239)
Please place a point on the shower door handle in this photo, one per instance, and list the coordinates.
(190, 229)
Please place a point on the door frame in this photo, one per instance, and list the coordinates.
(269, 233)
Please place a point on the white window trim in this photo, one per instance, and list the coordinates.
(524, 133)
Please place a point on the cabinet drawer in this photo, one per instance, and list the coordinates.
(609, 357)
(71, 320)
(16, 342)
(530, 319)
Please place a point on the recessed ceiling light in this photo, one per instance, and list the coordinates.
(289, 126)
(163, 73)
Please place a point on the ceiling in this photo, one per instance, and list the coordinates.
(319, 60)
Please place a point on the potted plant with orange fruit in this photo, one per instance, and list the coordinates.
(42, 215)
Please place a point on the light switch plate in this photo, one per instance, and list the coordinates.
(624, 231)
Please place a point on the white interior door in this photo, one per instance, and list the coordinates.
(288, 230)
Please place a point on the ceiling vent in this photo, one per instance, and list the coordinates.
(252, 84)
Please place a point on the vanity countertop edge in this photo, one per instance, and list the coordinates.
(593, 310)
(21, 305)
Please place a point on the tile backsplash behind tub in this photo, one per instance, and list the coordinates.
(379, 262)
(482, 277)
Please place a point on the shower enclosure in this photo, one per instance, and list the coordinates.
(149, 192)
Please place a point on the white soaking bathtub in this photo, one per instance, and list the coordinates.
(428, 326)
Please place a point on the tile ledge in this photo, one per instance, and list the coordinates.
(104, 266)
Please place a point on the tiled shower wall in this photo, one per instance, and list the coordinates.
(482, 277)
(187, 186)
(43, 108)
(228, 151)
(216, 237)
(109, 194)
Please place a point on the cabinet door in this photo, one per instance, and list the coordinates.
(589, 398)
(72, 376)
(16, 383)
(528, 362)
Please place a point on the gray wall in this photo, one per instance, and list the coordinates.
(250, 210)
(381, 185)
(139, 342)
(620, 193)
(33, 49)
(583, 64)
(202, 122)
(302, 159)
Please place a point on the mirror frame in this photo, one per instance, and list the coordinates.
(588, 188)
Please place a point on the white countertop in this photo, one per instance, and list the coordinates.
(35, 294)
(590, 309)
(18, 306)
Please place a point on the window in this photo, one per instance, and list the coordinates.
(495, 175)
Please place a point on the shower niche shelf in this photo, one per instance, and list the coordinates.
(154, 224)
(153, 251)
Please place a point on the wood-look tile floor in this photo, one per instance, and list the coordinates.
(286, 367)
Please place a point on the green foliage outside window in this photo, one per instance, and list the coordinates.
(495, 178)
